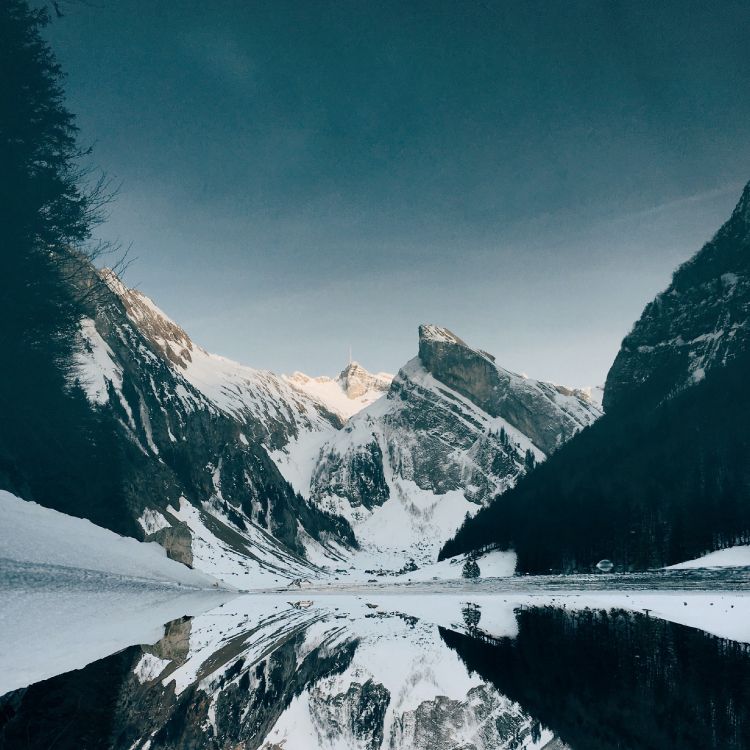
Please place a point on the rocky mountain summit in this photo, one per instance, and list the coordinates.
(546, 413)
(453, 431)
(351, 391)
(700, 322)
(355, 381)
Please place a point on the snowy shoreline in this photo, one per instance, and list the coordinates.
(31, 534)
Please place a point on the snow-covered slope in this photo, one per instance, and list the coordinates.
(350, 392)
(267, 403)
(73, 592)
(336, 674)
(32, 534)
(250, 557)
(191, 430)
(453, 431)
(731, 557)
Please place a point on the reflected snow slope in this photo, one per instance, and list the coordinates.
(56, 618)
(469, 667)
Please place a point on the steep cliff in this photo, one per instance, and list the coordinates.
(453, 430)
(663, 476)
(699, 323)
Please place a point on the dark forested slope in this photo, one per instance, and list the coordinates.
(142, 439)
(647, 488)
(664, 475)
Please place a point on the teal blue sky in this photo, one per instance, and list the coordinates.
(298, 177)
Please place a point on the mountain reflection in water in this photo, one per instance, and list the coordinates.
(342, 672)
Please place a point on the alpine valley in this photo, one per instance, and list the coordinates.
(198, 554)
(257, 478)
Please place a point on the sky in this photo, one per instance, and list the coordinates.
(296, 178)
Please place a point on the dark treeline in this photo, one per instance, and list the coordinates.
(644, 487)
(75, 710)
(618, 681)
(53, 448)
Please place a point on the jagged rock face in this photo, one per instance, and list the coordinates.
(441, 444)
(357, 475)
(181, 446)
(548, 414)
(698, 323)
(353, 718)
(485, 720)
(423, 435)
(168, 337)
(453, 431)
(355, 381)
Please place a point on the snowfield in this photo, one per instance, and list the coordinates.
(30, 533)
(732, 557)
(73, 592)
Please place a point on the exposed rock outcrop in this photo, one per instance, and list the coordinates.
(548, 414)
(453, 431)
(698, 323)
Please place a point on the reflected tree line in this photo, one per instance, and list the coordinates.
(597, 680)
(618, 681)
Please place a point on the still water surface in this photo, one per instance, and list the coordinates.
(433, 672)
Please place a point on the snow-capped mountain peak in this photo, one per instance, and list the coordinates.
(351, 391)
(261, 399)
(355, 381)
(453, 431)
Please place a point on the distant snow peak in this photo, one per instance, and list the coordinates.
(355, 381)
(351, 391)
